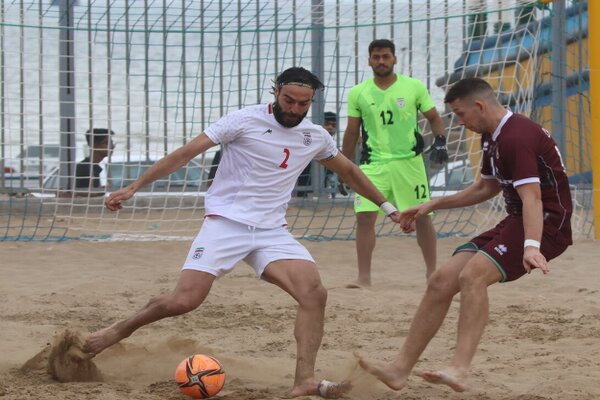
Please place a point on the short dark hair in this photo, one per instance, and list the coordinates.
(466, 88)
(299, 76)
(98, 136)
(382, 44)
(330, 116)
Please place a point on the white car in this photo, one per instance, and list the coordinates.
(30, 166)
(190, 179)
(34, 156)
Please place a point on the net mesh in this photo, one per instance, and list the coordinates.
(158, 73)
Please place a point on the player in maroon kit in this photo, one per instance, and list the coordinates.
(521, 160)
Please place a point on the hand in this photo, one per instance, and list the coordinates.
(408, 217)
(407, 227)
(115, 200)
(419, 143)
(532, 258)
(438, 152)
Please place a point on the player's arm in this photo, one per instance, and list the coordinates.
(480, 191)
(173, 161)
(163, 167)
(435, 122)
(533, 225)
(357, 180)
(438, 152)
(351, 136)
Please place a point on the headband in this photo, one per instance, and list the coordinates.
(301, 84)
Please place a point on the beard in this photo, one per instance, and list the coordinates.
(286, 119)
(383, 72)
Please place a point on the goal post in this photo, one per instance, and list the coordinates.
(594, 48)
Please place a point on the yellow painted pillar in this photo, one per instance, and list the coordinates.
(594, 52)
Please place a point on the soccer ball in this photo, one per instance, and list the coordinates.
(200, 376)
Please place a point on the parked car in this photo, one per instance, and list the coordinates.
(121, 173)
(33, 156)
(188, 178)
(28, 168)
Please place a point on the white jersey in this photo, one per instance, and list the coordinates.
(261, 163)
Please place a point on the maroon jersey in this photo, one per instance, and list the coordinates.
(519, 152)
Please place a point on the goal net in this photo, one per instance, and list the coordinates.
(156, 74)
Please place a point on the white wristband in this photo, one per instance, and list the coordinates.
(388, 208)
(532, 243)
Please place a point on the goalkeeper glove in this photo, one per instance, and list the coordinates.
(343, 188)
(419, 143)
(438, 152)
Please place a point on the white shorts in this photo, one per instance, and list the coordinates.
(222, 243)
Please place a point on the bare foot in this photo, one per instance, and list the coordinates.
(97, 341)
(385, 372)
(450, 377)
(358, 285)
(323, 388)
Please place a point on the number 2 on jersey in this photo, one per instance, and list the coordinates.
(284, 164)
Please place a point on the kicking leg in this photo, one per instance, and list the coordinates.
(441, 288)
(301, 280)
(477, 275)
(190, 292)
(427, 240)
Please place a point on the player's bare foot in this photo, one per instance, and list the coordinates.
(323, 388)
(97, 341)
(450, 377)
(386, 372)
(358, 285)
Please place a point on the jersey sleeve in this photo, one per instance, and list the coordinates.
(227, 128)
(423, 99)
(329, 148)
(486, 166)
(523, 157)
(353, 107)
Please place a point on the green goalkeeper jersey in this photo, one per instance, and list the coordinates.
(389, 117)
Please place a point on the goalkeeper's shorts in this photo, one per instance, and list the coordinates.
(403, 182)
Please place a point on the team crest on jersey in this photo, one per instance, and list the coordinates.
(198, 253)
(400, 102)
(307, 138)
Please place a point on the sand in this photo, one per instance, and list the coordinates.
(542, 341)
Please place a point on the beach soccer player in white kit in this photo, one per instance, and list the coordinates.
(266, 147)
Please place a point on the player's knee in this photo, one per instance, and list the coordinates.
(178, 304)
(442, 283)
(424, 222)
(366, 219)
(471, 277)
(314, 296)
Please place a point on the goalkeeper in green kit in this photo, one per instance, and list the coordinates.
(386, 108)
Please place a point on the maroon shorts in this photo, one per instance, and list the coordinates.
(503, 244)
